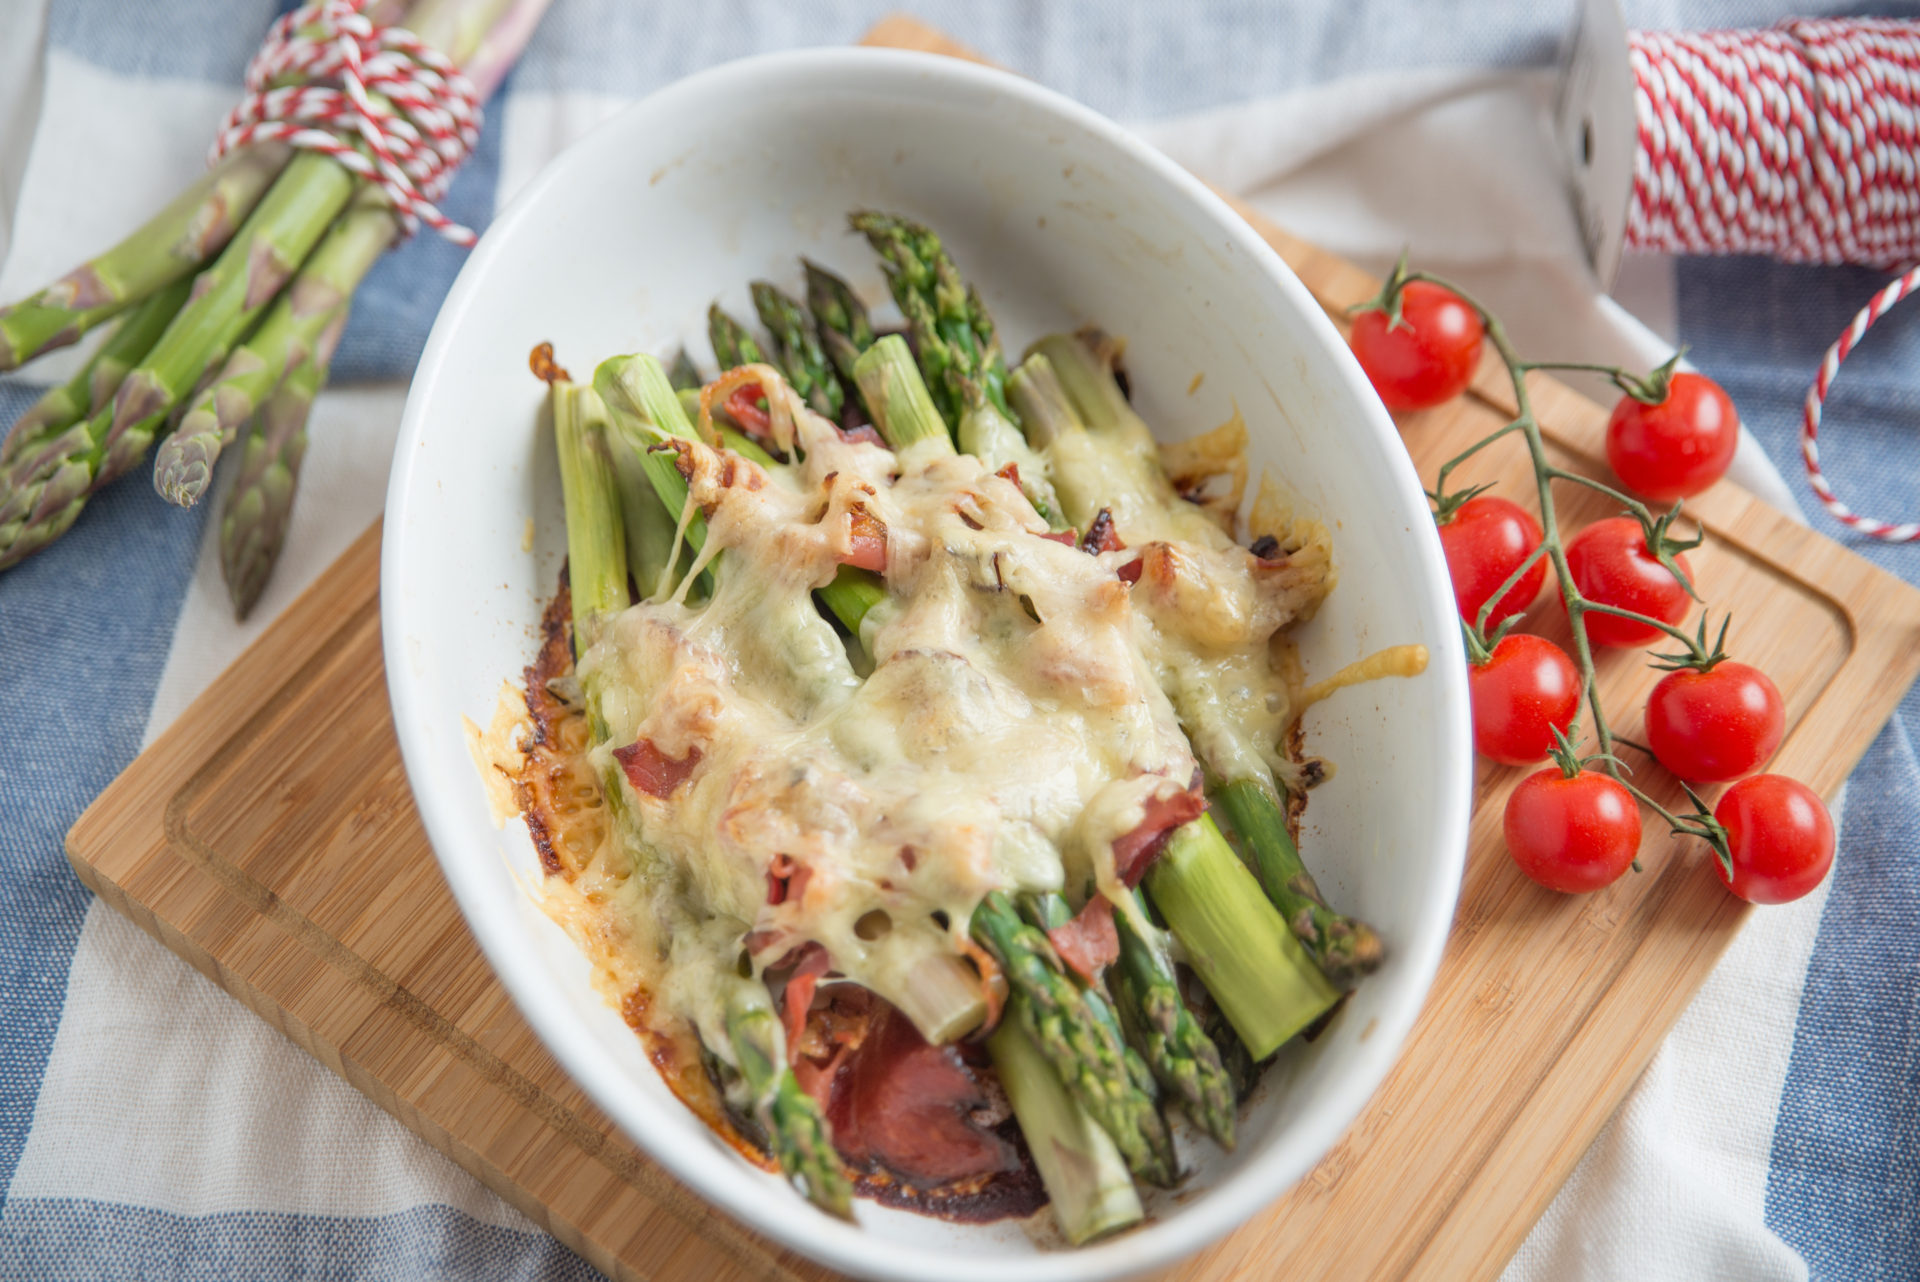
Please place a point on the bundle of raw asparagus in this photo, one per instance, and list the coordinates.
(1088, 1063)
(226, 309)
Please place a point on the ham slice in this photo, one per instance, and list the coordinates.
(798, 999)
(867, 543)
(743, 407)
(904, 1105)
(1135, 852)
(652, 771)
(1088, 942)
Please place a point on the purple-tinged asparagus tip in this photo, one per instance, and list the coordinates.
(65, 487)
(31, 420)
(208, 231)
(252, 534)
(328, 342)
(267, 271)
(51, 511)
(184, 464)
(81, 290)
(140, 397)
(25, 468)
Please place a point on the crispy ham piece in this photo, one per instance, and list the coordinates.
(797, 1002)
(1135, 852)
(866, 541)
(652, 771)
(1089, 943)
(1101, 536)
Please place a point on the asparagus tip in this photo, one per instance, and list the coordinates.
(182, 469)
(1350, 950)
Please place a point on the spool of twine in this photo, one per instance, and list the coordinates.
(1801, 142)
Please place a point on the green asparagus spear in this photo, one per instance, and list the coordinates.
(643, 407)
(852, 597)
(258, 507)
(170, 247)
(1065, 389)
(89, 391)
(1242, 1073)
(649, 526)
(683, 374)
(897, 396)
(1046, 412)
(597, 572)
(1086, 1050)
(1070, 373)
(796, 1129)
(1085, 1177)
(1182, 1056)
(796, 349)
(228, 298)
(1050, 911)
(951, 328)
(1235, 941)
(733, 346)
(955, 343)
(306, 315)
(845, 330)
(596, 538)
(1346, 949)
(643, 411)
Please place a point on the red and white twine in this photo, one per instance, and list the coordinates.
(1801, 142)
(312, 86)
(1889, 531)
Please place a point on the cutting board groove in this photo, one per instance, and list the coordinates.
(269, 839)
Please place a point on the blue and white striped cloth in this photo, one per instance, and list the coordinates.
(150, 1127)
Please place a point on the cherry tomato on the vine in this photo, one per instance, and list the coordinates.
(1610, 564)
(1715, 725)
(1677, 448)
(1526, 688)
(1485, 541)
(1780, 836)
(1428, 356)
(1572, 834)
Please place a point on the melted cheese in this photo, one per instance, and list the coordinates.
(1023, 707)
(497, 753)
(1394, 661)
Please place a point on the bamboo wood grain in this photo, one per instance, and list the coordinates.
(269, 838)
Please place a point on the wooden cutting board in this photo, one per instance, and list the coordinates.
(270, 839)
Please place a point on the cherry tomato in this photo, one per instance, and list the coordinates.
(1486, 541)
(1780, 836)
(1714, 725)
(1572, 834)
(1526, 687)
(1610, 564)
(1677, 448)
(1429, 356)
